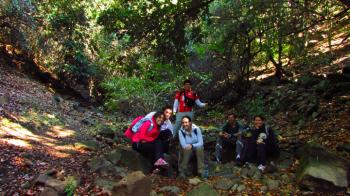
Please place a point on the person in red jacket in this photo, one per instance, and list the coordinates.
(147, 142)
(184, 102)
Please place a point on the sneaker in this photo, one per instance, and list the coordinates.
(161, 162)
(156, 171)
(261, 168)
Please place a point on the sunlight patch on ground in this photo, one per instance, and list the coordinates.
(17, 135)
(16, 142)
(16, 130)
(59, 131)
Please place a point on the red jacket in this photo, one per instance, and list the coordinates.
(144, 134)
(180, 97)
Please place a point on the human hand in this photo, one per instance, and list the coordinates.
(260, 141)
(188, 147)
(143, 141)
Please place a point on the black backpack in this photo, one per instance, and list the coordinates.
(189, 102)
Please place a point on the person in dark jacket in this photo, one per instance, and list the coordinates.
(260, 144)
(230, 138)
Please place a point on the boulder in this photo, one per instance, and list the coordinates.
(48, 191)
(224, 184)
(135, 183)
(172, 190)
(271, 184)
(113, 157)
(322, 171)
(344, 147)
(203, 189)
(99, 164)
(107, 132)
(133, 160)
(58, 185)
(91, 145)
(106, 185)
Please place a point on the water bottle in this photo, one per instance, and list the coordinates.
(206, 172)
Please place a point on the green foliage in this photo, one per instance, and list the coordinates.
(71, 185)
(254, 107)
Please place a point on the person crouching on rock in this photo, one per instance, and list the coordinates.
(147, 142)
(166, 129)
(191, 140)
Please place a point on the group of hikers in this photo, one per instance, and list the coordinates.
(152, 134)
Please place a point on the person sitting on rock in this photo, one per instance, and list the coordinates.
(260, 144)
(191, 140)
(145, 139)
(166, 129)
(230, 138)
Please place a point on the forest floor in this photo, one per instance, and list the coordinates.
(42, 131)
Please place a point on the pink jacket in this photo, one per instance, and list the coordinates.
(143, 134)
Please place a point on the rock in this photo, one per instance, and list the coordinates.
(135, 183)
(264, 188)
(106, 185)
(344, 147)
(51, 172)
(194, 181)
(234, 187)
(322, 171)
(87, 145)
(100, 164)
(113, 157)
(245, 172)
(257, 176)
(26, 185)
(121, 171)
(4, 99)
(49, 192)
(107, 132)
(76, 105)
(271, 184)
(203, 189)
(224, 184)
(88, 121)
(241, 188)
(42, 179)
(56, 184)
(133, 160)
(171, 189)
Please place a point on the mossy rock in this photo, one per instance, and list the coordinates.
(203, 189)
(87, 145)
(322, 171)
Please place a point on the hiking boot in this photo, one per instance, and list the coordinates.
(239, 162)
(161, 162)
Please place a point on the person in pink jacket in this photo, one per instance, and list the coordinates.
(147, 142)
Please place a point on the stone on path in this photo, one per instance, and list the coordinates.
(224, 184)
(174, 190)
(48, 191)
(135, 183)
(203, 190)
(194, 181)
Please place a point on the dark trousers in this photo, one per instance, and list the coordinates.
(165, 137)
(153, 150)
(253, 152)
